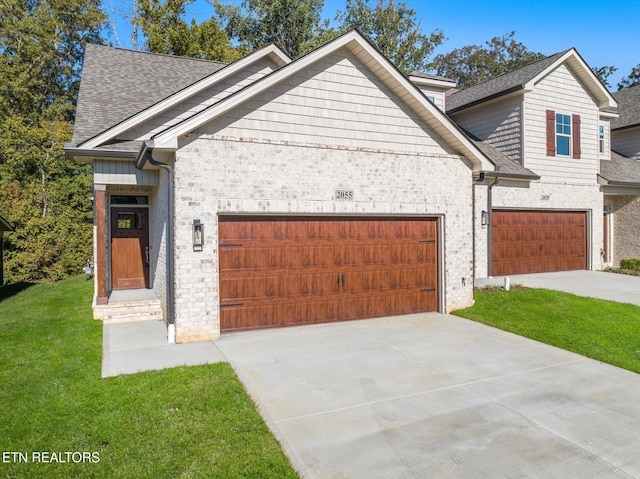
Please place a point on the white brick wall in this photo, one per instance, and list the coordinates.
(223, 176)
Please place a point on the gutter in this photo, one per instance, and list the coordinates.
(72, 149)
(146, 155)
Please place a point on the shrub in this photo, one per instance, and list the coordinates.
(633, 263)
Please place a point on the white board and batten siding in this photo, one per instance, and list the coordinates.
(338, 102)
(122, 172)
(202, 100)
(561, 92)
(500, 125)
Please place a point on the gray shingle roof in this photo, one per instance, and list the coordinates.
(131, 80)
(628, 108)
(429, 76)
(512, 81)
(620, 170)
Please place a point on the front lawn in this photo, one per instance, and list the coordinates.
(60, 419)
(602, 330)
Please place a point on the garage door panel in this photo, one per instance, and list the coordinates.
(538, 241)
(285, 271)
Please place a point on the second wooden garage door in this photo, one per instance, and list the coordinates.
(288, 271)
(538, 241)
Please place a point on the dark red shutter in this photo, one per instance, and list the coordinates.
(551, 133)
(575, 126)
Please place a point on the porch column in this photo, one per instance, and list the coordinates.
(100, 199)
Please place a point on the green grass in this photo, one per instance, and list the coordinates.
(602, 330)
(177, 423)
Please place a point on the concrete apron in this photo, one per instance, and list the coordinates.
(433, 395)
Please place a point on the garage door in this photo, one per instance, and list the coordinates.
(538, 241)
(290, 271)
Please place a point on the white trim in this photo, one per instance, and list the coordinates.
(377, 63)
(271, 51)
(420, 81)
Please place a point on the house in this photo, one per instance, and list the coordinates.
(620, 180)
(547, 116)
(4, 226)
(272, 192)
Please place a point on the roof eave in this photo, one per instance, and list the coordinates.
(87, 155)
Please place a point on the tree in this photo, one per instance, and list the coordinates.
(167, 32)
(43, 193)
(473, 64)
(392, 26)
(290, 24)
(603, 73)
(632, 80)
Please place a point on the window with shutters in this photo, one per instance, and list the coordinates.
(563, 134)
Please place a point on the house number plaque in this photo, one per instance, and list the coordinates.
(344, 194)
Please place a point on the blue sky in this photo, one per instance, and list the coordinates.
(604, 32)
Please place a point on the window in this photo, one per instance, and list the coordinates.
(431, 99)
(563, 134)
(601, 139)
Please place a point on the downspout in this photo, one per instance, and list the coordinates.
(171, 327)
(490, 226)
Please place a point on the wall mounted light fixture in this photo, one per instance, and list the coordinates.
(484, 221)
(198, 235)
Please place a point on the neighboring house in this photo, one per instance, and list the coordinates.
(4, 226)
(273, 192)
(621, 180)
(547, 117)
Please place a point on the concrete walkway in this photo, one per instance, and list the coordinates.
(129, 348)
(433, 395)
(593, 284)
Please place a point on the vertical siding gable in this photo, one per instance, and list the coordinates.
(562, 92)
(337, 101)
(202, 100)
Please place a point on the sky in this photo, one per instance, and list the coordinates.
(604, 32)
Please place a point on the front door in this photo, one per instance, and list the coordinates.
(129, 247)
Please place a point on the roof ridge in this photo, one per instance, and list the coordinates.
(163, 55)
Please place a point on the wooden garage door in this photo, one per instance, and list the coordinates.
(538, 241)
(289, 271)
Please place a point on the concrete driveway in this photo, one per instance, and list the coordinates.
(436, 396)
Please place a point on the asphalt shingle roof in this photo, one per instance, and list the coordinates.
(512, 81)
(429, 76)
(131, 80)
(628, 108)
(620, 170)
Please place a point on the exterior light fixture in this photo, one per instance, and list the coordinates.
(198, 235)
(485, 219)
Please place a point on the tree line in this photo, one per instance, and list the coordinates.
(47, 197)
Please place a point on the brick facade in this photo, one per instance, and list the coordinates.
(215, 176)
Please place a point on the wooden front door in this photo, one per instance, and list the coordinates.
(290, 271)
(129, 247)
(538, 241)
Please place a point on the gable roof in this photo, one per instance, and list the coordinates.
(505, 167)
(132, 80)
(524, 79)
(620, 171)
(628, 108)
(373, 59)
(181, 94)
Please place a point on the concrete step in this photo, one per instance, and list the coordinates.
(126, 311)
